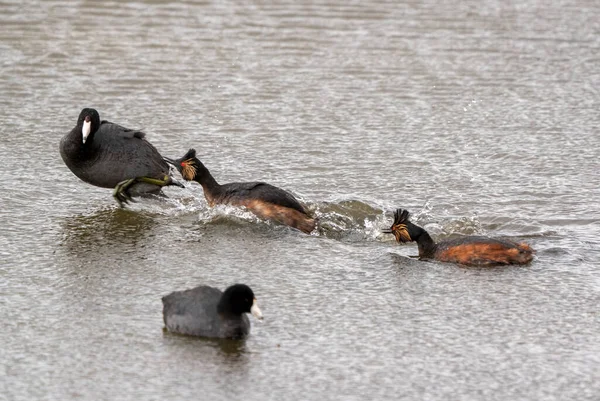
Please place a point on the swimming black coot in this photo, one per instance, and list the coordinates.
(207, 312)
(264, 200)
(108, 155)
(468, 251)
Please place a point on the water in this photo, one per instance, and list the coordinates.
(480, 118)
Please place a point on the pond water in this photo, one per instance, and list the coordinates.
(478, 117)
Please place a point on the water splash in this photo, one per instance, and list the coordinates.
(345, 220)
(350, 220)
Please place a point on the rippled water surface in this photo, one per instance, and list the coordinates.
(479, 117)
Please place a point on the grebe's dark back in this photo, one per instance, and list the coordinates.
(264, 200)
(469, 251)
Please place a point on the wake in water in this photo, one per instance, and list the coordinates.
(344, 220)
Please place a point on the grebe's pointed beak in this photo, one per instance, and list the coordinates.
(255, 310)
(86, 129)
(387, 231)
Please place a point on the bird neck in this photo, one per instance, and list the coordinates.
(74, 148)
(225, 307)
(427, 246)
(203, 177)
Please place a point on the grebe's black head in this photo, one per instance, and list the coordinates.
(239, 299)
(403, 229)
(89, 122)
(187, 165)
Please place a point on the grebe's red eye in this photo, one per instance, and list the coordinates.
(182, 164)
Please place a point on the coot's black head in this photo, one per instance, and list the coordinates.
(239, 299)
(89, 121)
(403, 229)
(187, 165)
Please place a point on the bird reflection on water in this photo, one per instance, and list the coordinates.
(230, 353)
(118, 229)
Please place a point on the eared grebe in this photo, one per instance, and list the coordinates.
(207, 312)
(264, 200)
(469, 251)
(110, 156)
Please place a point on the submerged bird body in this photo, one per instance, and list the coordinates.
(208, 312)
(468, 251)
(111, 154)
(264, 200)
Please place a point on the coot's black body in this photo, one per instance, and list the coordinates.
(111, 154)
(207, 312)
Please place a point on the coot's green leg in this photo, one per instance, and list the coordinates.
(121, 195)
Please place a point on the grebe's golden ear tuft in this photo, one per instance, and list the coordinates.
(188, 169)
(401, 233)
(399, 228)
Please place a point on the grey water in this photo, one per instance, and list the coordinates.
(478, 117)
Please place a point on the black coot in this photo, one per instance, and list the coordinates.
(111, 156)
(207, 312)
